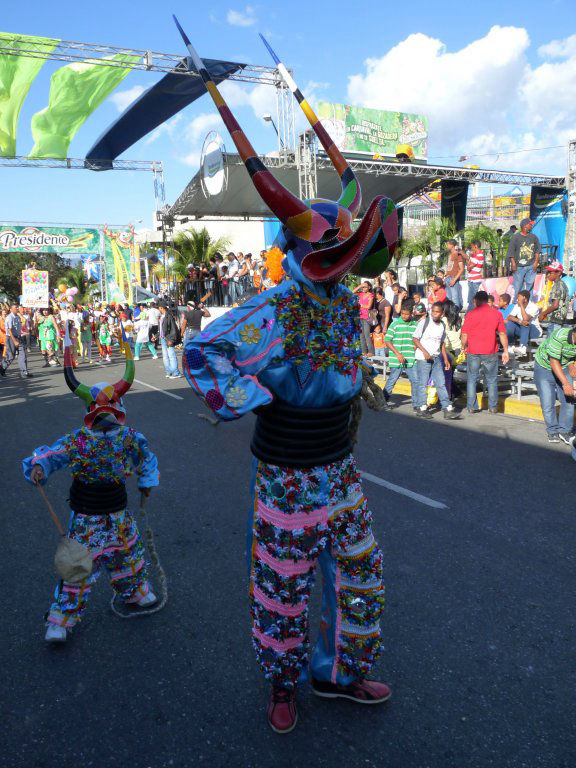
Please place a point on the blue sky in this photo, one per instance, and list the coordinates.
(492, 77)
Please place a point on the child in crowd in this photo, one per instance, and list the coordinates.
(378, 341)
(101, 454)
(491, 300)
(105, 340)
(86, 338)
(399, 341)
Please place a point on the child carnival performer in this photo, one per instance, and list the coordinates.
(293, 355)
(101, 454)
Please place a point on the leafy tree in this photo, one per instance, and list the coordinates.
(490, 242)
(76, 278)
(12, 264)
(195, 246)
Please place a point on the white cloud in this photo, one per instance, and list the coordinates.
(165, 129)
(485, 97)
(192, 158)
(123, 99)
(245, 18)
(200, 125)
(559, 49)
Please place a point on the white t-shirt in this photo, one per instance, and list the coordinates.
(430, 337)
(532, 309)
(389, 294)
(153, 315)
(233, 267)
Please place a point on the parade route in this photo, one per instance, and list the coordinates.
(478, 625)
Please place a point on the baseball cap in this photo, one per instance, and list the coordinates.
(555, 266)
(420, 308)
(524, 222)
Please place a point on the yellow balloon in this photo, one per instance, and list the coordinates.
(62, 287)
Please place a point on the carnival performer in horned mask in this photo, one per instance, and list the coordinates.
(293, 355)
(101, 454)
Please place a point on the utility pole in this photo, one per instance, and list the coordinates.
(570, 249)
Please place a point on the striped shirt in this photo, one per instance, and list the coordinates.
(557, 347)
(476, 266)
(400, 335)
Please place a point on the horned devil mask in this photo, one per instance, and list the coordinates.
(105, 409)
(317, 235)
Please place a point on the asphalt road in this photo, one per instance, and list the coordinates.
(479, 623)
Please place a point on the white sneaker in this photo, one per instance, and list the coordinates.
(176, 376)
(168, 376)
(512, 350)
(136, 358)
(521, 351)
(154, 357)
(108, 359)
(55, 634)
(146, 601)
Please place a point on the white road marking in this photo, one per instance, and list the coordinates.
(163, 391)
(404, 491)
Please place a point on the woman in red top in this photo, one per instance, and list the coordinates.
(366, 301)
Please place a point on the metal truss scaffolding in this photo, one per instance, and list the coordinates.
(149, 61)
(75, 163)
(392, 168)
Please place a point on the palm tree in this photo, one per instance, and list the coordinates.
(488, 238)
(76, 278)
(196, 246)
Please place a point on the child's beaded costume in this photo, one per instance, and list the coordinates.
(101, 454)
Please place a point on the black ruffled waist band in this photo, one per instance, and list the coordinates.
(291, 436)
(97, 498)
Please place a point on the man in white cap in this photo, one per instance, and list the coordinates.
(523, 254)
(555, 301)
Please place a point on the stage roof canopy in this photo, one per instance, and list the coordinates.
(377, 177)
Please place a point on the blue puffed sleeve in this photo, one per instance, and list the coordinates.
(50, 457)
(145, 463)
(223, 362)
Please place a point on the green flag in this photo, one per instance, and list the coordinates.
(75, 92)
(17, 73)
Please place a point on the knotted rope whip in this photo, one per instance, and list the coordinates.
(155, 560)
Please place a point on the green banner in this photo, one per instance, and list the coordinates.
(118, 248)
(374, 131)
(17, 73)
(31, 239)
(76, 90)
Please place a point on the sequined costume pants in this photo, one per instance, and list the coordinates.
(115, 543)
(301, 518)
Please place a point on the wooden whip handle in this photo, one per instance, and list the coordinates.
(53, 514)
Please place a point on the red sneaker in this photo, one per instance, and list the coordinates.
(282, 712)
(361, 691)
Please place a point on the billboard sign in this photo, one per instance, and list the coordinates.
(69, 240)
(363, 130)
(35, 288)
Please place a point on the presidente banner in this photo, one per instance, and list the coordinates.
(71, 240)
(373, 131)
(549, 212)
(453, 201)
(35, 288)
(118, 254)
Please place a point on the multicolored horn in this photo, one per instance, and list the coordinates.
(122, 386)
(81, 390)
(299, 217)
(351, 196)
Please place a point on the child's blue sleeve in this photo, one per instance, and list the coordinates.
(50, 457)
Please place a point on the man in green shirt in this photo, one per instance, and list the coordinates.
(554, 381)
(398, 339)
